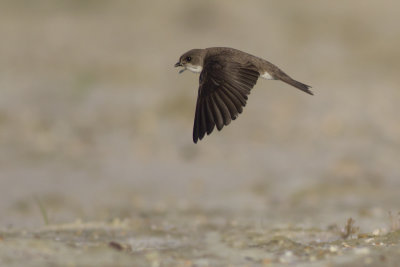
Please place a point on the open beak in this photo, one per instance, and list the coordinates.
(178, 64)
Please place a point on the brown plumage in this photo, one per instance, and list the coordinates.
(226, 78)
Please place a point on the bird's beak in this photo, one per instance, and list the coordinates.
(178, 64)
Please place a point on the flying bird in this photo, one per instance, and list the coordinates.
(226, 77)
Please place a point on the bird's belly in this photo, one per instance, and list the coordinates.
(267, 76)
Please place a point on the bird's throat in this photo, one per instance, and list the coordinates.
(194, 68)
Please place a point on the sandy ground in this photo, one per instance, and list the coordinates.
(97, 165)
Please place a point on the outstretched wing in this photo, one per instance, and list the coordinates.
(223, 90)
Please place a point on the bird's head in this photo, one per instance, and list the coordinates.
(191, 60)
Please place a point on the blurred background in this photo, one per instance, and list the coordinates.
(97, 124)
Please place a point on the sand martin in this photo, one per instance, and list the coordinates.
(226, 77)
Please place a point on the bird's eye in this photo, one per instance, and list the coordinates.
(188, 59)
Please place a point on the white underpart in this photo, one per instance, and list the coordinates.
(195, 69)
(267, 76)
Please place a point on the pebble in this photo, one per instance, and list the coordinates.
(333, 248)
(361, 251)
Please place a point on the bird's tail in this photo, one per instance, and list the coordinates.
(303, 87)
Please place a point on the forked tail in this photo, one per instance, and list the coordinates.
(303, 87)
(280, 75)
